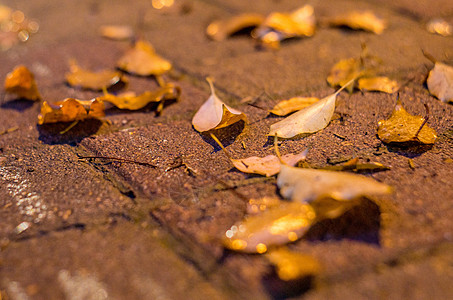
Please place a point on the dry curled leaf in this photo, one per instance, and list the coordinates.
(356, 166)
(220, 30)
(92, 80)
(21, 82)
(379, 84)
(403, 127)
(142, 60)
(70, 110)
(294, 104)
(308, 120)
(269, 165)
(364, 20)
(117, 32)
(308, 185)
(131, 101)
(215, 114)
(440, 82)
(291, 265)
(279, 26)
(440, 26)
(275, 226)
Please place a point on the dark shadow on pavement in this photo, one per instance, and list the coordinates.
(226, 135)
(51, 133)
(18, 104)
(280, 289)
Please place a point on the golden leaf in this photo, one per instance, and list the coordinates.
(142, 60)
(21, 82)
(440, 26)
(291, 265)
(215, 114)
(440, 82)
(69, 110)
(132, 101)
(403, 127)
(92, 80)
(294, 104)
(378, 83)
(117, 32)
(344, 71)
(308, 185)
(279, 26)
(220, 30)
(269, 165)
(275, 226)
(364, 20)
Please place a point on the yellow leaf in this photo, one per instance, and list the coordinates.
(440, 82)
(403, 127)
(308, 185)
(275, 226)
(69, 110)
(278, 26)
(291, 265)
(142, 60)
(132, 101)
(21, 82)
(220, 30)
(215, 114)
(294, 104)
(308, 120)
(439, 26)
(379, 83)
(344, 71)
(364, 20)
(269, 165)
(92, 80)
(117, 32)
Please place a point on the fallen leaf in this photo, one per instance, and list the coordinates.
(379, 83)
(220, 30)
(275, 226)
(291, 265)
(439, 26)
(279, 26)
(117, 32)
(215, 114)
(258, 205)
(69, 110)
(403, 127)
(364, 20)
(269, 165)
(308, 185)
(142, 60)
(294, 104)
(440, 82)
(354, 165)
(131, 101)
(328, 208)
(308, 120)
(21, 82)
(92, 80)
(344, 71)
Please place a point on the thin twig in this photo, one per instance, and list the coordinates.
(118, 159)
(424, 121)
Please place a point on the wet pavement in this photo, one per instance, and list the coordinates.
(101, 229)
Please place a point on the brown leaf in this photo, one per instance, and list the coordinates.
(215, 114)
(142, 60)
(275, 226)
(403, 127)
(131, 101)
(92, 80)
(440, 82)
(21, 82)
(291, 265)
(220, 30)
(364, 20)
(294, 104)
(269, 165)
(117, 32)
(378, 83)
(69, 110)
